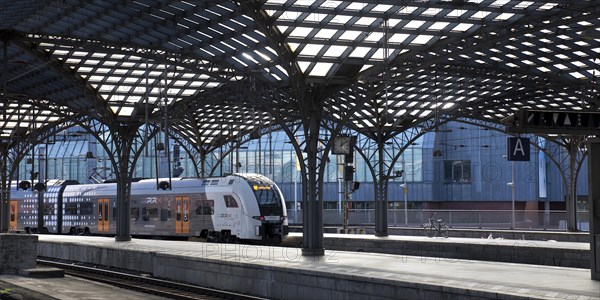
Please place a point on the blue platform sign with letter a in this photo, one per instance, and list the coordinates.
(518, 149)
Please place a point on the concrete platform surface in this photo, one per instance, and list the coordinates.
(70, 288)
(477, 279)
(534, 252)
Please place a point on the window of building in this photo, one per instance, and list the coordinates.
(457, 171)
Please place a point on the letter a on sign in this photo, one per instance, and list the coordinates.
(518, 149)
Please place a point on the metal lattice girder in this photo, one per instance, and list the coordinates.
(121, 59)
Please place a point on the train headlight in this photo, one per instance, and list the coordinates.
(260, 218)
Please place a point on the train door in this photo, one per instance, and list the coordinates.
(13, 216)
(182, 216)
(103, 218)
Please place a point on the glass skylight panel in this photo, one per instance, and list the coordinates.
(330, 4)
(577, 75)
(398, 38)
(293, 46)
(504, 16)
(431, 12)
(315, 17)
(366, 21)
(456, 13)
(479, 15)
(560, 66)
(249, 57)
(240, 61)
(529, 44)
(414, 24)
(381, 8)
(281, 69)
(425, 113)
(311, 49)
(437, 26)
(325, 33)
(421, 39)
(276, 1)
(350, 35)
(356, 6)
(301, 32)
(499, 3)
(206, 52)
(335, 51)
(341, 19)
(250, 38)
(407, 10)
(374, 37)
(263, 56)
(365, 67)
(544, 69)
(524, 4)
(303, 65)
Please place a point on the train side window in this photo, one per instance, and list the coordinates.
(114, 214)
(149, 214)
(230, 201)
(205, 207)
(165, 214)
(135, 213)
(86, 208)
(71, 209)
(48, 209)
(13, 212)
(145, 215)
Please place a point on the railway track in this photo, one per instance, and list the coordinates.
(144, 284)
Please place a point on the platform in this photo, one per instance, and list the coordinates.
(68, 287)
(283, 273)
(537, 252)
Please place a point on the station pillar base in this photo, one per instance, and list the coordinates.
(122, 238)
(19, 252)
(313, 252)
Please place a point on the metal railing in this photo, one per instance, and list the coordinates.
(500, 219)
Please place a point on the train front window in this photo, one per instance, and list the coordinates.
(266, 196)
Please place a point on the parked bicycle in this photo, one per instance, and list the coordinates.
(435, 228)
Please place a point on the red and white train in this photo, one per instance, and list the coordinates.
(248, 207)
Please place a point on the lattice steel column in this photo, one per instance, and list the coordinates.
(594, 204)
(381, 202)
(4, 184)
(124, 139)
(4, 190)
(313, 204)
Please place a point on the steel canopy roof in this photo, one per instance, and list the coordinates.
(206, 62)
